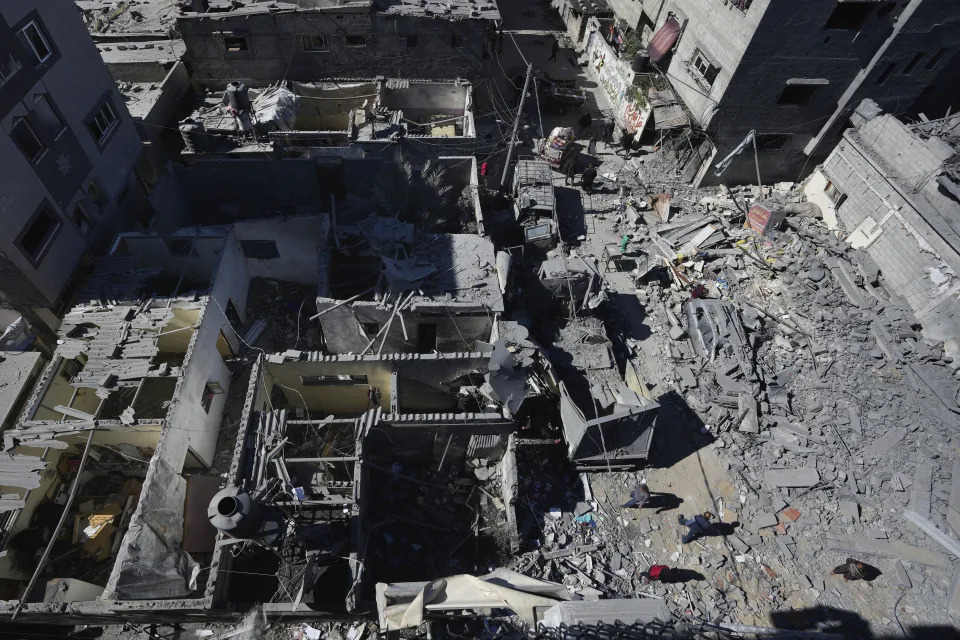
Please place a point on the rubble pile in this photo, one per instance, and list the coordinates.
(832, 413)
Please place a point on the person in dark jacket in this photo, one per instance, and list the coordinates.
(587, 177)
(626, 142)
(639, 496)
(554, 50)
(699, 525)
(569, 168)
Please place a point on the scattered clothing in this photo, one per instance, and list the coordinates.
(483, 169)
(854, 569)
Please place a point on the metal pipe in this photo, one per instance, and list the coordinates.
(516, 127)
(56, 531)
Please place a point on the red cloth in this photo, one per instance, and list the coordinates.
(483, 169)
(656, 570)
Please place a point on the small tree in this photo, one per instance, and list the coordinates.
(422, 198)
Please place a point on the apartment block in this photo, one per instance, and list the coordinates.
(793, 72)
(69, 150)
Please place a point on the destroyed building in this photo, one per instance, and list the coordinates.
(363, 468)
(123, 426)
(330, 118)
(318, 39)
(70, 153)
(735, 72)
(892, 189)
(389, 289)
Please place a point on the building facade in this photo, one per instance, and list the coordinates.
(892, 189)
(68, 148)
(321, 39)
(793, 72)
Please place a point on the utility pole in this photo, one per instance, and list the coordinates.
(516, 127)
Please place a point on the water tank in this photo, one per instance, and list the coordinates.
(235, 513)
(194, 135)
(641, 61)
(237, 96)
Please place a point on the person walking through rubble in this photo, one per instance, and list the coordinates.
(569, 168)
(626, 142)
(638, 497)
(855, 570)
(554, 50)
(699, 525)
(587, 177)
(656, 573)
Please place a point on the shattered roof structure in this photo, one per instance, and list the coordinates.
(334, 112)
(608, 419)
(18, 371)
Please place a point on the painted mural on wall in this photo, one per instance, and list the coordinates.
(616, 77)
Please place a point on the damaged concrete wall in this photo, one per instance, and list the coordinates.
(356, 43)
(187, 421)
(455, 327)
(297, 241)
(909, 240)
(755, 64)
(225, 190)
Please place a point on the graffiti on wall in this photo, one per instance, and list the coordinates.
(616, 77)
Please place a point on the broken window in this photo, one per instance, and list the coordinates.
(702, 66)
(82, 219)
(103, 122)
(886, 73)
(23, 134)
(260, 249)
(95, 192)
(35, 42)
(48, 119)
(318, 381)
(798, 93)
(935, 60)
(834, 194)
(426, 337)
(38, 234)
(849, 15)
(773, 141)
(314, 43)
(209, 391)
(456, 41)
(914, 61)
(70, 369)
(235, 44)
(356, 41)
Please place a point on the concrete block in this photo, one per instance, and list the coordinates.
(802, 477)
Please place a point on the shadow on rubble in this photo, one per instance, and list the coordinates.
(680, 432)
(547, 481)
(570, 215)
(625, 320)
(823, 619)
